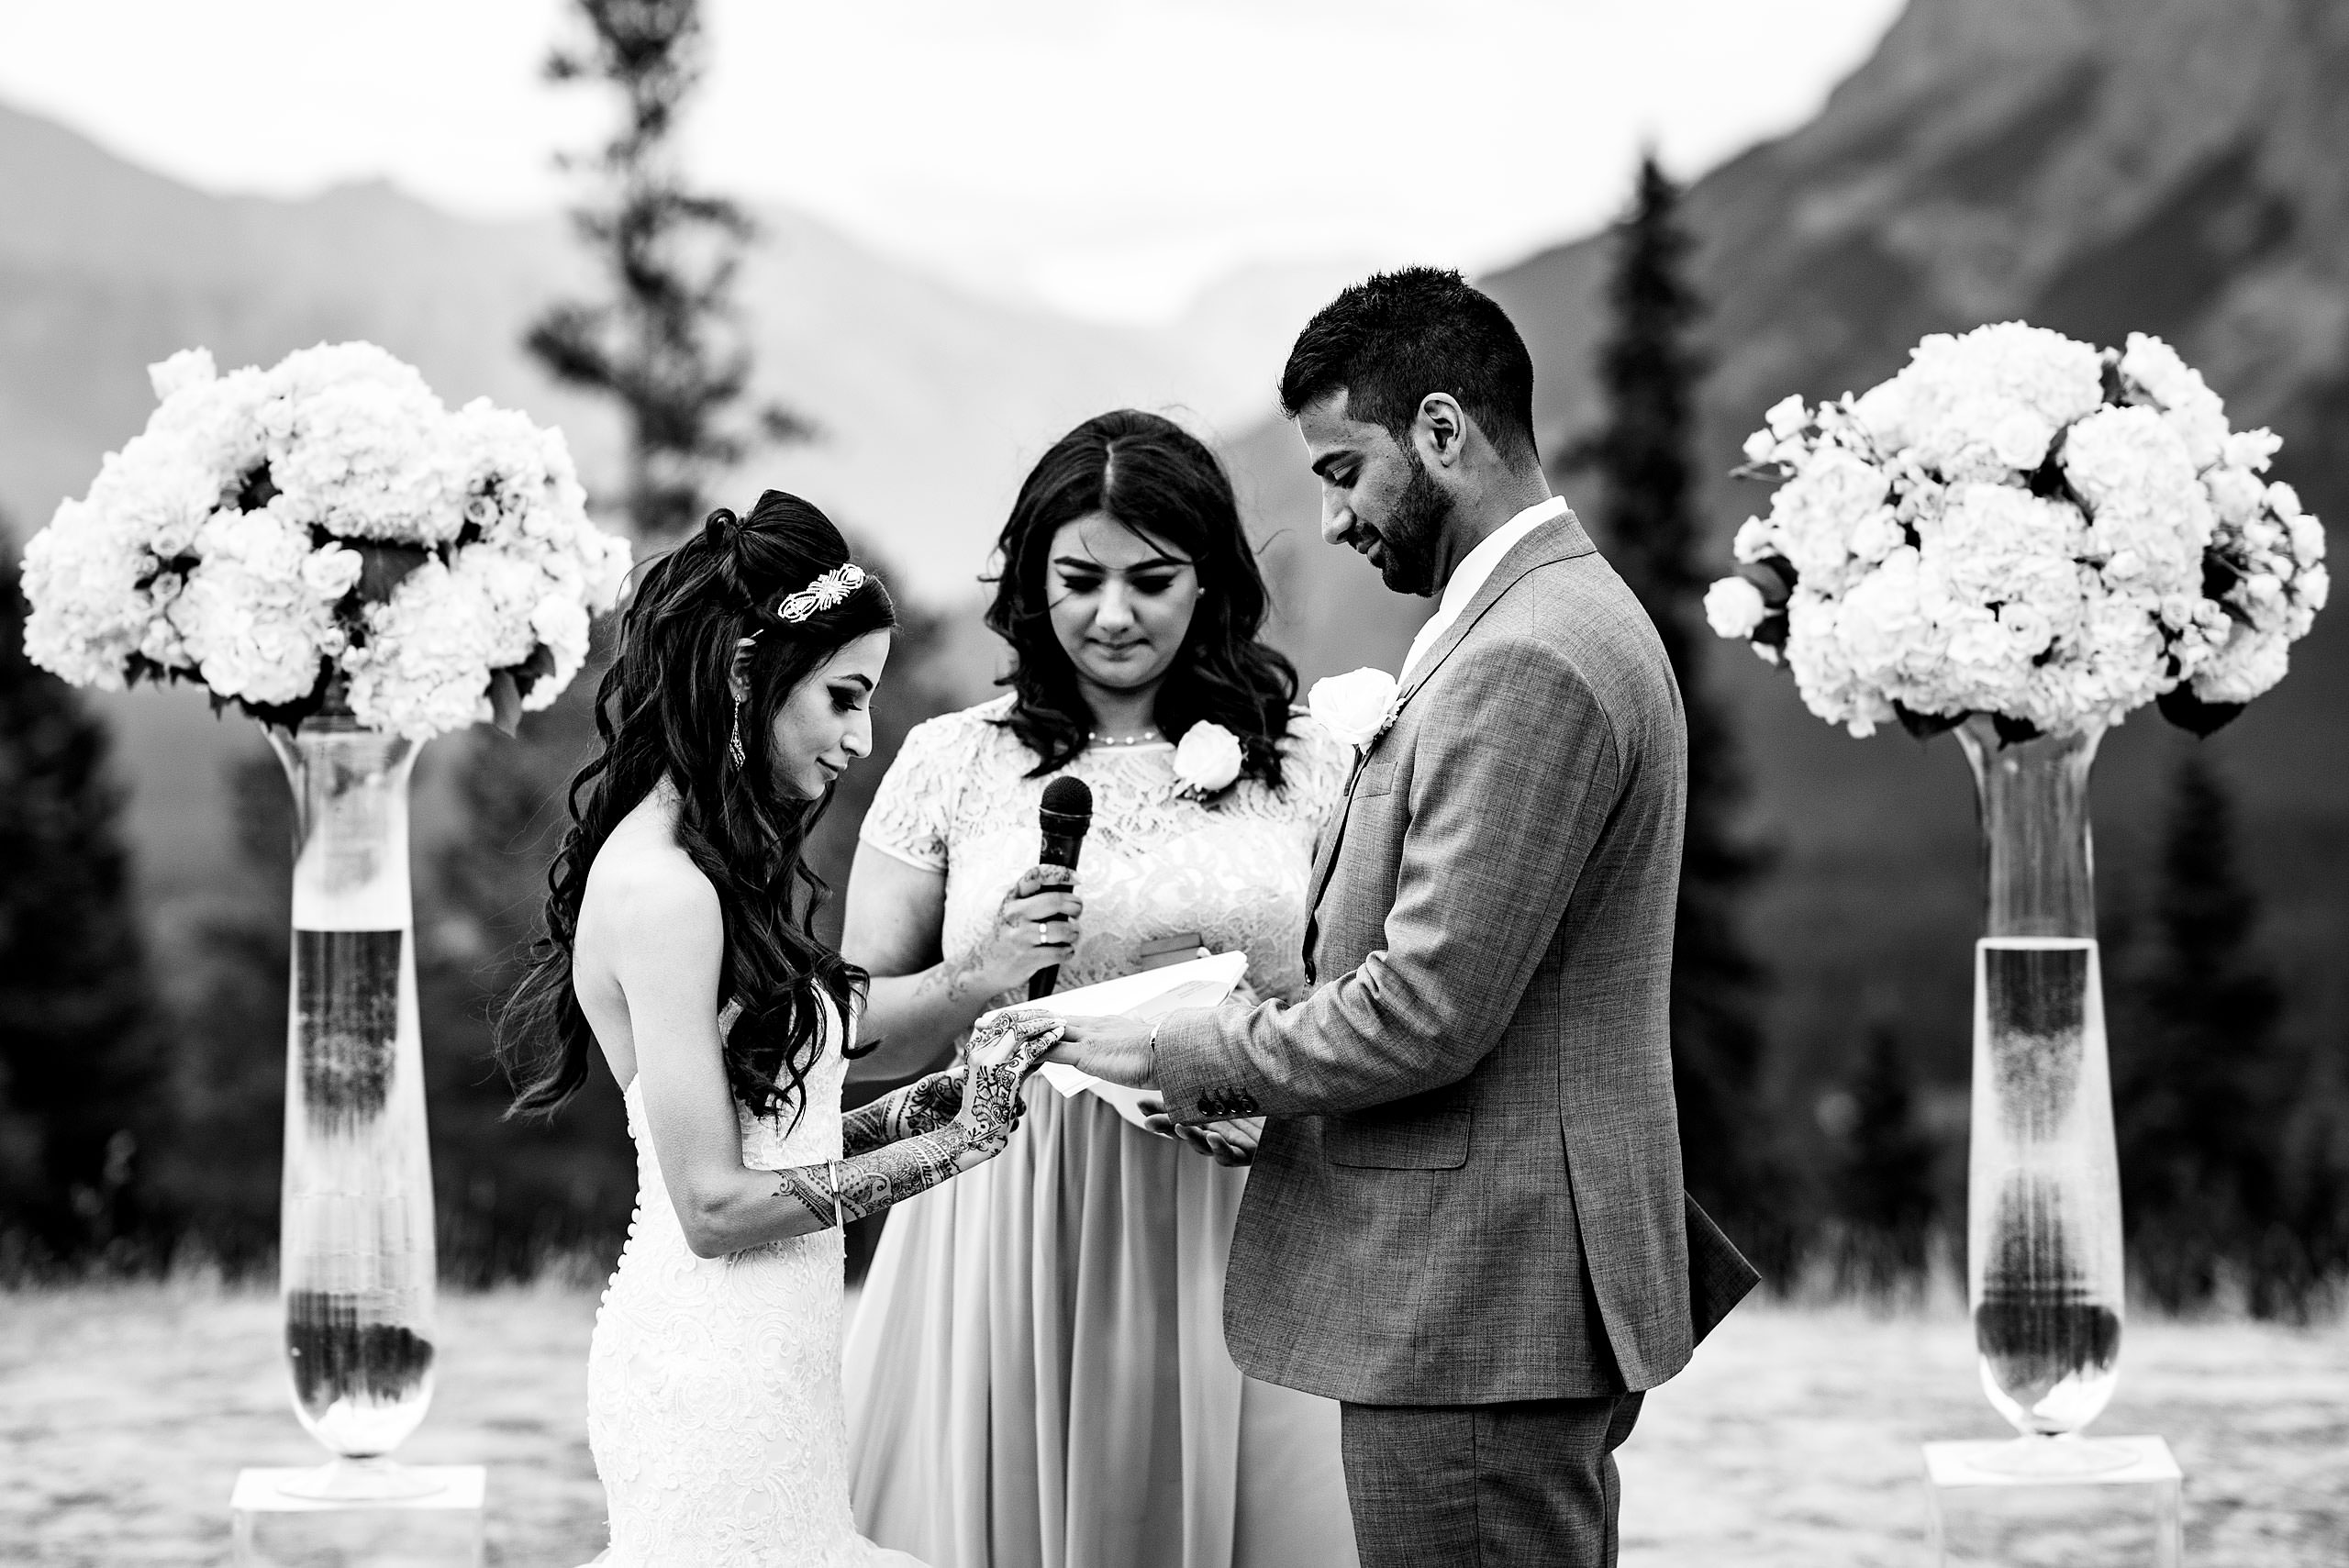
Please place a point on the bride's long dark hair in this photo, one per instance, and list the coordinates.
(665, 710)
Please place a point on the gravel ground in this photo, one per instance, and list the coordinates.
(125, 1413)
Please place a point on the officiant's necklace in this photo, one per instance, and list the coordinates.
(1139, 738)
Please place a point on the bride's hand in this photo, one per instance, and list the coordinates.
(1002, 1053)
(1036, 927)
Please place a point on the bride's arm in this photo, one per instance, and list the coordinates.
(917, 1003)
(667, 967)
(924, 1106)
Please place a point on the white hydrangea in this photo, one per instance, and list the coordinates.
(366, 459)
(1940, 566)
(87, 612)
(2151, 519)
(1984, 404)
(2152, 369)
(425, 664)
(163, 571)
(252, 618)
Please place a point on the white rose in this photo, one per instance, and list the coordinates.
(1734, 608)
(1354, 707)
(1207, 759)
(332, 570)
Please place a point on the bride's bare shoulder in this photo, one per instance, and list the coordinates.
(641, 877)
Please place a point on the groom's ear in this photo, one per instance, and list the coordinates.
(1440, 431)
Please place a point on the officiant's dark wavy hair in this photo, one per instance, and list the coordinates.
(663, 709)
(1152, 476)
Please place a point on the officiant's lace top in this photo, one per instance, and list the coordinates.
(1156, 863)
(714, 1383)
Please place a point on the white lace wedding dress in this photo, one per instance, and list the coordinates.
(714, 1383)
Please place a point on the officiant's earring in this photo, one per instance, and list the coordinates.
(734, 746)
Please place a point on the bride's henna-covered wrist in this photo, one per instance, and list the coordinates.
(872, 1182)
(920, 1107)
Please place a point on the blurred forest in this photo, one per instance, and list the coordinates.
(1994, 159)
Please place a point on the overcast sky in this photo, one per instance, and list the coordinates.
(1107, 157)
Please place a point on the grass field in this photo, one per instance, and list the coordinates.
(126, 1411)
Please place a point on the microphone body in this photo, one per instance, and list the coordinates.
(1065, 816)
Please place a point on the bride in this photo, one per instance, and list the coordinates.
(679, 939)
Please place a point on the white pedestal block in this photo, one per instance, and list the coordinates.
(442, 1528)
(1985, 1515)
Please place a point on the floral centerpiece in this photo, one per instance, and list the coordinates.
(326, 531)
(2018, 525)
(2026, 539)
(326, 546)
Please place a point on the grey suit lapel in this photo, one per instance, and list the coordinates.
(1561, 539)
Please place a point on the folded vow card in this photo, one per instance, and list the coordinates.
(1149, 996)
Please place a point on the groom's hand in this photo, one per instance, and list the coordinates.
(1116, 1048)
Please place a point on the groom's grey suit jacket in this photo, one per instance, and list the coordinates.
(1469, 1191)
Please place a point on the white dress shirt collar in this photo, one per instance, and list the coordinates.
(1470, 576)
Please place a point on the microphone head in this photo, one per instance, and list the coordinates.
(1065, 797)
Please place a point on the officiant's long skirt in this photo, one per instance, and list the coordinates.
(1037, 1377)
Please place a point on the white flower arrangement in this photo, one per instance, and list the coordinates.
(1357, 706)
(2020, 526)
(1207, 761)
(326, 530)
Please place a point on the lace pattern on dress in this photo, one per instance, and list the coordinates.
(714, 1405)
(1155, 863)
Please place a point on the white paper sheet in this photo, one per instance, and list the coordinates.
(1149, 996)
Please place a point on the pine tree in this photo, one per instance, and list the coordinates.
(667, 344)
(80, 1098)
(1884, 1180)
(2204, 1083)
(1650, 370)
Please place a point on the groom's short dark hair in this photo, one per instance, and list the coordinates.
(1388, 342)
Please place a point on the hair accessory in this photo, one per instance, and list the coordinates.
(822, 594)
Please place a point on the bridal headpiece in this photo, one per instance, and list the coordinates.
(825, 592)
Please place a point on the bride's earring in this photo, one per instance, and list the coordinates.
(734, 746)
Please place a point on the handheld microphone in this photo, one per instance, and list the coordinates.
(1065, 815)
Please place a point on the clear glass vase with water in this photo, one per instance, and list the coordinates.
(2045, 1272)
(356, 1260)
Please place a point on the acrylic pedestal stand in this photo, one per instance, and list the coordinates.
(438, 1528)
(1984, 1514)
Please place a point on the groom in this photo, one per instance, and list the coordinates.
(1466, 1221)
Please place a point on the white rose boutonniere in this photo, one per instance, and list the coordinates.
(1356, 707)
(1207, 759)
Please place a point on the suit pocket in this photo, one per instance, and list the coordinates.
(1377, 778)
(1423, 1140)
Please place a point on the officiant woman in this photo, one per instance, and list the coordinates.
(1037, 1371)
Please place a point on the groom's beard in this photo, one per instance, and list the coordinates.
(1410, 535)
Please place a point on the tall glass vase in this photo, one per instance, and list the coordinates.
(355, 1260)
(2044, 1259)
